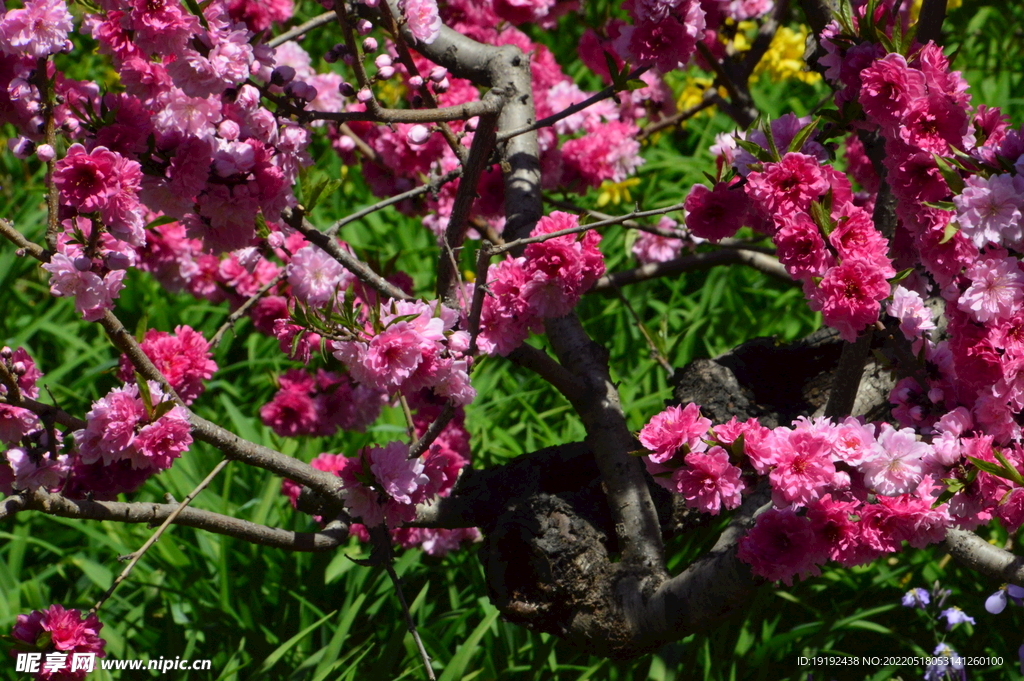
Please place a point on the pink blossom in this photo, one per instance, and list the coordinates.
(996, 290)
(671, 430)
(782, 545)
(989, 209)
(787, 186)
(164, 440)
(67, 631)
(803, 469)
(709, 481)
(400, 477)
(16, 423)
(38, 29)
(183, 358)
(832, 523)
(507, 319)
(387, 360)
(35, 467)
(88, 180)
(853, 441)
(743, 10)
(855, 236)
(290, 413)
(849, 296)
(259, 14)
(315, 276)
(670, 41)
(888, 87)
(423, 20)
(908, 307)
(801, 248)
(608, 151)
(93, 295)
(896, 465)
(650, 247)
(714, 214)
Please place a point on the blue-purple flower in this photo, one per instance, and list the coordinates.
(955, 616)
(916, 598)
(996, 603)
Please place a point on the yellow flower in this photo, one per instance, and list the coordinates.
(915, 8)
(785, 57)
(616, 192)
(391, 91)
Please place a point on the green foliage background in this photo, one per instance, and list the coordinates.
(266, 614)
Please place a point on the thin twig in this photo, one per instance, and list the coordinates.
(519, 243)
(433, 430)
(676, 119)
(697, 261)
(18, 239)
(244, 308)
(655, 352)
(410, 424)
(10, 381)
(432, 186)
(291, 34)
(46, 95)
(135, 557)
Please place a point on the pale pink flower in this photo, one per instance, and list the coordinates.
(38, 29)
(896, 465)
(399, 476)
(996, 290)
(423, 19)
(989, 209)
(36, 469)
(163, 440)
(93, 295)
(315, 276)
(908, 307)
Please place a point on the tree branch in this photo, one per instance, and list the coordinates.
(929, 22)
(459, 112)
(301, 29)
(697, 261)
(141, 512)
(975, 553)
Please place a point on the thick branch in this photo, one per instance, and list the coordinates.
(846, 383)
(975, 553)
(152, 514)
(460, 112)
(929, 25)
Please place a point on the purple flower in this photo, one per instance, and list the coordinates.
(996, 603)
(955, 616)
(949, 669)
(916, 598)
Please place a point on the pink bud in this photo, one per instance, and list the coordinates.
(441, 86)
(83, 264)
(45, 153)
(275, 240)
(416, 82)
(363, 26)
(19, 369)
(371, 3)
(282, 75)
(369, 44)
(438, 73)
(6, 352)
(21, 147)
(228, 129)
(386, 72)
(382, 60)
(364, 95)
(348, 59)
(418, 134)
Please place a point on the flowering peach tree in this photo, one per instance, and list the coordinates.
(192, 164)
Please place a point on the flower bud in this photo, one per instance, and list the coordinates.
(416, 82)
(275, 239)
(348, 59)
(19, 369)
(21, 147)
(441, 86)
(347, 90)
(45, 153)
(386, 72)
(438, 73)
(418, 134)
(369, 44)
(371, 3)
(229, 130)
(6, 352)
(363, 26)
(83, 264)
(282, 75)
(382, 60)
(364, 96)
(472, 123)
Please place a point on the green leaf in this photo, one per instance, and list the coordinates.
(755, 150)
(952, 227)
(822, 218)
(145, 394)
(772, 146)
(455, 669)
(951, 176)
(901, 275)
(1011, 470)
(994, 469)
(289, 644)
(805, 133)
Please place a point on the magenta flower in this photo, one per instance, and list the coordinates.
(715, 214)
(849, 296)
(709, 481)
(671, 430)
(888, 87)
(399, 476)
(803, 469)
(58, 630)
(183, 358)
(780, 546)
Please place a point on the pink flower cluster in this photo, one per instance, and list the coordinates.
(122, 426)
(56, 630)
(413, 347)
(547, 281)
(183, 358)
(665, 32)
(32, 460)
(320, 405)
(847, 492)
(38, 29)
